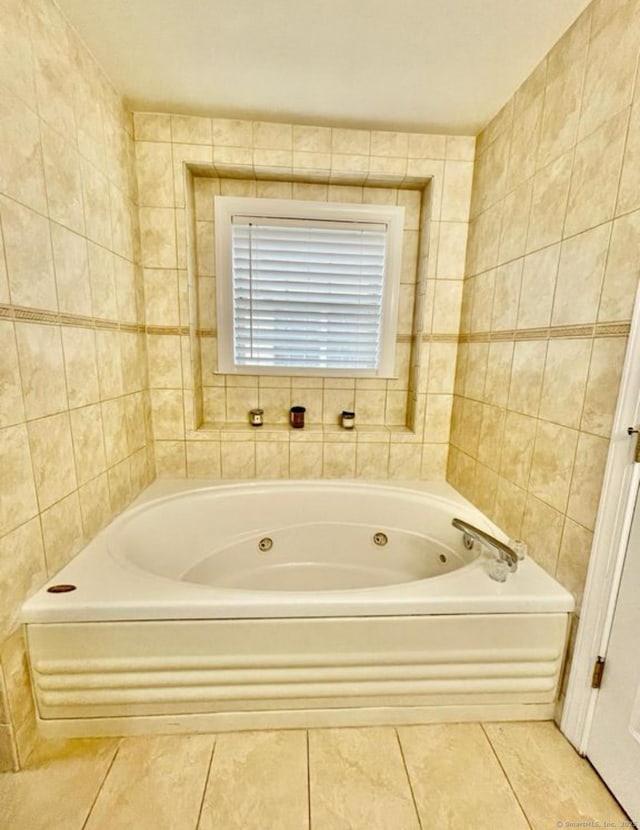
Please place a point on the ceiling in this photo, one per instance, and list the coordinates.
(419, 65)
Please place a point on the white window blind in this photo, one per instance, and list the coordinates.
(306, 293)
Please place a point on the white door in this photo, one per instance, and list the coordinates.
(614, 741)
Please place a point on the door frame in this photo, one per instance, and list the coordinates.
(613, 523)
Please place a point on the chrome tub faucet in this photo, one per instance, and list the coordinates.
(474, 534)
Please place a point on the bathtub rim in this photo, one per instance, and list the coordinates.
(142, 595)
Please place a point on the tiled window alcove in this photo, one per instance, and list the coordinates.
(223, 401)
(201, 417)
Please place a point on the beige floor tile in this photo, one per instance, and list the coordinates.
(58, 787)
(258, 781)
(554, 785)
(155, 783)
(457, 780)
(358, 781)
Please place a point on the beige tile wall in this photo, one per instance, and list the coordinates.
(552, 270)
(403, 427)
(74, 412)
(228, 398)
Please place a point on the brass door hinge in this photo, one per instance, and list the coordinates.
(635, 431)
(598, 671)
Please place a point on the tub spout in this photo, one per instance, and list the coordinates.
(504, 552)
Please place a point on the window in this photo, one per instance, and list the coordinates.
(307, 287)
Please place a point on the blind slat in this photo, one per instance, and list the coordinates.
(307, 296)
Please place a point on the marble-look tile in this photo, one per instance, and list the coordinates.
(305, 460)
(21, 169)
(358, 781)
(372, 460)
(23, 545)
(456, 195)
(156, 782)
(4, 277)
(538, 287)
(62, 532)
(339, 460)
(158, 237)
(161, 297)
(272, 459)
(404, 461)
(154, 168)
(621, 272)
(611, 68)
(629, 192)
(8, 758)
(553, 783)
(553, 459)
(601, 395)
(15, 665)
(476, 370)
(549, 203)
(203, 459)
(29, 267)
(595, 176)
(95, 505)
(11, 400)
(95, 187)
(490, 444)
(517, 448)
(485, 489)
(164, 361)
(103, 287)
(434, 461)
(52, 454)
(542, 531)
(586, 483)
(527, 371)
(565, 380)
(170, 459)
(580, 274)
(17, 492)
(565, 73)
(57, 788)
(499, 364)
(72, 271)
(80, 365)
(509, 508)
(457, 780)
(88, 442)
(42, 369)
(452, 244)
(63, 179)
(16, 57)
(257, 780)
(573, 559)
(506, 297)
(109, 362)
(120, 485)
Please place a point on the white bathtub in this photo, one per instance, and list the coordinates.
(291, 603)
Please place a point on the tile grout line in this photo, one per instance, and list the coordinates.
(308, 780)
(406, 772)
(102, 783)
(506, 776)
(206, 783)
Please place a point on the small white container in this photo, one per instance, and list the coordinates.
(348, 419)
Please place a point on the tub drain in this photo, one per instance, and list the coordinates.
(265, 544)
(380, 539)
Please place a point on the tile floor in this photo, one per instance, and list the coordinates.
(463, 776)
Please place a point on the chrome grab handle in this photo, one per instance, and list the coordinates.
(503, 551)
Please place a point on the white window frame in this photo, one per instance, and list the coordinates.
(228, 207)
